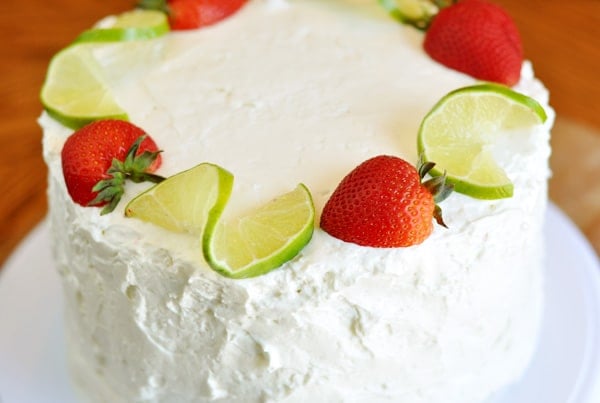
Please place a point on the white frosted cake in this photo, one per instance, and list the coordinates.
(280, 93)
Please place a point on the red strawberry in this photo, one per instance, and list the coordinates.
(192, 14)
(382, 203)
(98, 158)
(477, 38)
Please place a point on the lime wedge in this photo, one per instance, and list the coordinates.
(193, 201)
(187, 202)
(414, 12)
(132, 25)
(264, 239)
(458, 132)
(74, 92)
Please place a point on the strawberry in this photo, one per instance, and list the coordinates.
(472, 36)
(477, 38)
(98, 158)
(192, 14)
(383, 203)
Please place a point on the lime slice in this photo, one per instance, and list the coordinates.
(193, 201)
(74, 92)
(414, 12)
(263, 240)
(187, 202)
(132, 25)
(460, 130)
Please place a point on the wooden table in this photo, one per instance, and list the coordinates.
(560, 37)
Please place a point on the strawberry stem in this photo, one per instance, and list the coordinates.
(437, 214)
(134, 168)
(437, 186)
(424, 168)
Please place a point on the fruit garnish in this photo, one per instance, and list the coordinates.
(477, 38)
(472, 36)
(383, 203)
(193, 201)
(75, 92)
(186, 202)
(98, 158)
(131, 25)
(460, 129)
(417, 13)
(264, 239)
(192, 14)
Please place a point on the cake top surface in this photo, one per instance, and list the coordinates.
(335, 85)
(285, 92)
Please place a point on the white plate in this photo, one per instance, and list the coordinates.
(566, 368)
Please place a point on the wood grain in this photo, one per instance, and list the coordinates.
(562, 38)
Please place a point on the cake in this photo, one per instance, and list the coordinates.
(326, 86)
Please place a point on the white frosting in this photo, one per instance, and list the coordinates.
(281, 93)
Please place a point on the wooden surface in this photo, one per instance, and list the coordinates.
(562, 38)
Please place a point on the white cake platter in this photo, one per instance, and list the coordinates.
(565, 369)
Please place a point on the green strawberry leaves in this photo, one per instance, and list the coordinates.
(134, 168)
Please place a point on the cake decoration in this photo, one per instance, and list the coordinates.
(132, 25)
(475, 37)
(98, 158)
(384, 203)
(75, 91)
(381, 203)
(417, 13)
(263, 239)
(256, 243)
(192, 14)
(468, 128)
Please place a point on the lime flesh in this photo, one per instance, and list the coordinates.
(457, 132)
(74, 92)
(410, 11)
(187, 202)
(264, 239)
(193, 201)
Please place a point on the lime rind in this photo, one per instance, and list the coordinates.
(246, 247)
(237, 249)
(129, 26)
(484, 170)
(74, 91)
(414, 12)
(457, 141)
(191, 214)
(81, 121)
(118, 34)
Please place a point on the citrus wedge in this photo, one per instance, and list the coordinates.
(187, 202)
(457, 133)
(75, 92)
(193, 201)
(131, 25)
(264, 239)
(413, 12)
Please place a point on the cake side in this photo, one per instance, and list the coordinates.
(148, 320)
